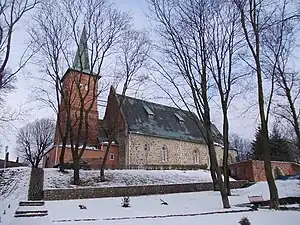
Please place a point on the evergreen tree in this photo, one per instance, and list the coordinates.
(256, 146)
(280, 146)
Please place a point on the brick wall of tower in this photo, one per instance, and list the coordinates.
(74, 85)
(93, 158)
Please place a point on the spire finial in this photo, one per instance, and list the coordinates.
(81, 61)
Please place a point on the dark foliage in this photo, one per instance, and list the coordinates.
(244, 221)
(82, 206)
(280, 147)
(125, 202)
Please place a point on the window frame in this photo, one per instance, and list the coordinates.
(164, 154)
(196, 157)
(111, 154)
(149, 112)
(179, 118)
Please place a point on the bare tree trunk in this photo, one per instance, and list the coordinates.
(293, 112)
(102, 178)
(211, 146)
(76, 178)
(213, 176)
(62, 157)
(274, 201)
(226, 152)
(218, 174)
(63, 135)
(255, 29)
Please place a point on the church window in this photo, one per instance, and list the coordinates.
(112, 156)
(196, 157)
(164, 154)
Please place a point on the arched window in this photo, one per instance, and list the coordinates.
(196, 156)
(164, 154)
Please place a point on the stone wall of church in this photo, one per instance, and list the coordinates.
(147, 150)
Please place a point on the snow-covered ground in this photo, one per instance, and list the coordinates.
(179, 210)
(90, 178)
(14, 184)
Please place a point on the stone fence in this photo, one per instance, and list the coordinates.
(81, 193)
(36, 184)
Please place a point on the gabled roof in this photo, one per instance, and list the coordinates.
(167, 122)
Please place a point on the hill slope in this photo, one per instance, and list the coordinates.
(14, 184)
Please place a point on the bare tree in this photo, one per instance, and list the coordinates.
(7, 83)
(279, 45)
(255, 17)
(224, 44)
(34, 139)
(241, 145)
(11, 13)
(56, 30)
(132, 58)
(184, 26)
(48, 34)
(8, 117)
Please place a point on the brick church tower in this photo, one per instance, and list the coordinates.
(80, 88)
(80, 92)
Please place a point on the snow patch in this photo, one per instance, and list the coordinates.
(14, 185)
(117, 178)
(178, 204)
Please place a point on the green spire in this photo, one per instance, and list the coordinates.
(81, 61)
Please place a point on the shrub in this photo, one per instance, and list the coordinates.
(244, 221)
(126, 202)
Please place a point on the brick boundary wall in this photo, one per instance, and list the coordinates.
(82, 193)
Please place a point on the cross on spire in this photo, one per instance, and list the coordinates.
(81, 61)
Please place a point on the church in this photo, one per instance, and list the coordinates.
(150, 135)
